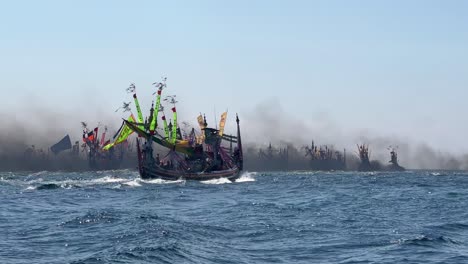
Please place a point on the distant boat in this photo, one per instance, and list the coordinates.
(366, 164)
(98, 157)
(272, 159)
(324, 158)
(394, 166)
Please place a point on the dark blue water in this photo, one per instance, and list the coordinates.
(113, 217)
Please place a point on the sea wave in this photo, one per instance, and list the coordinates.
(426, 240)
(247, 177)
(274, 217)
(161, 181)
(217, 181)
(455, 227)
(39, 173)
(133, 183)
(107, 179)
(91, 217)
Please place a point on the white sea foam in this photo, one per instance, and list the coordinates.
(108, 179)
(247, 177)
(70, 183)
(161, 181)
(66, 186)
(134, 183)
(217, 181)
(36, 180)
(38, 173)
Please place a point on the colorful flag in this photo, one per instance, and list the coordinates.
(222, 123)
(201, 122)
(154, 122)
(95, 134)
(103, 137)
(88, 136)
(123, 135)
(140, 115)
(174, 126)
(63, 144)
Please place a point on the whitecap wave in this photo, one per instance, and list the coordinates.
(38, 180)
(38, 173)
(72, 183)
(134, 183)
(247, 177)
(108, 179)
(217, 181)
(161, 181)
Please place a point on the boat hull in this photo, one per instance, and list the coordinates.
(395, 167)
(160, 173)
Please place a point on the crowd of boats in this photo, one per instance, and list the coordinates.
(317, 158)
(166, 150)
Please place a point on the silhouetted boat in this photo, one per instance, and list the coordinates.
(325, 158)
(366, 164)
(99, 157)
(394, 166)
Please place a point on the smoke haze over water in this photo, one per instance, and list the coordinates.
(43, 126)
(267, 122)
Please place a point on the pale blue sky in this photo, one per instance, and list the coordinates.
(391, 67)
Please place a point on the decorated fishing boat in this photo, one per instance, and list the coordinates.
(201, 161)
(325, 158)
(394, 166)
(189, 156)
(271, 158)
(366, 164)
(101, 153)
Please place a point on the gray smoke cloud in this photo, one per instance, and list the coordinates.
(41, 126)
(268, 122)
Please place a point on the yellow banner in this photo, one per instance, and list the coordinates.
(174, 126)
(140, 115)
(222, 123)
(154, 122)
(123, 135)
(201, 123)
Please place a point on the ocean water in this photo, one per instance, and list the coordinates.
(281, 217)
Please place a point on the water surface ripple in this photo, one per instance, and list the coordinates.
(281, 217)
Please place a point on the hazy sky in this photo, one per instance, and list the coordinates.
(389, 67)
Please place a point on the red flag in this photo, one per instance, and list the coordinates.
(103, 138)
(90, 136)
(95, 134)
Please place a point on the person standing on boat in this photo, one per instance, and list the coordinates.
(158, 161)
(76, 149)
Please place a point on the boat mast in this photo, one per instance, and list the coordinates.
(239, 144)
